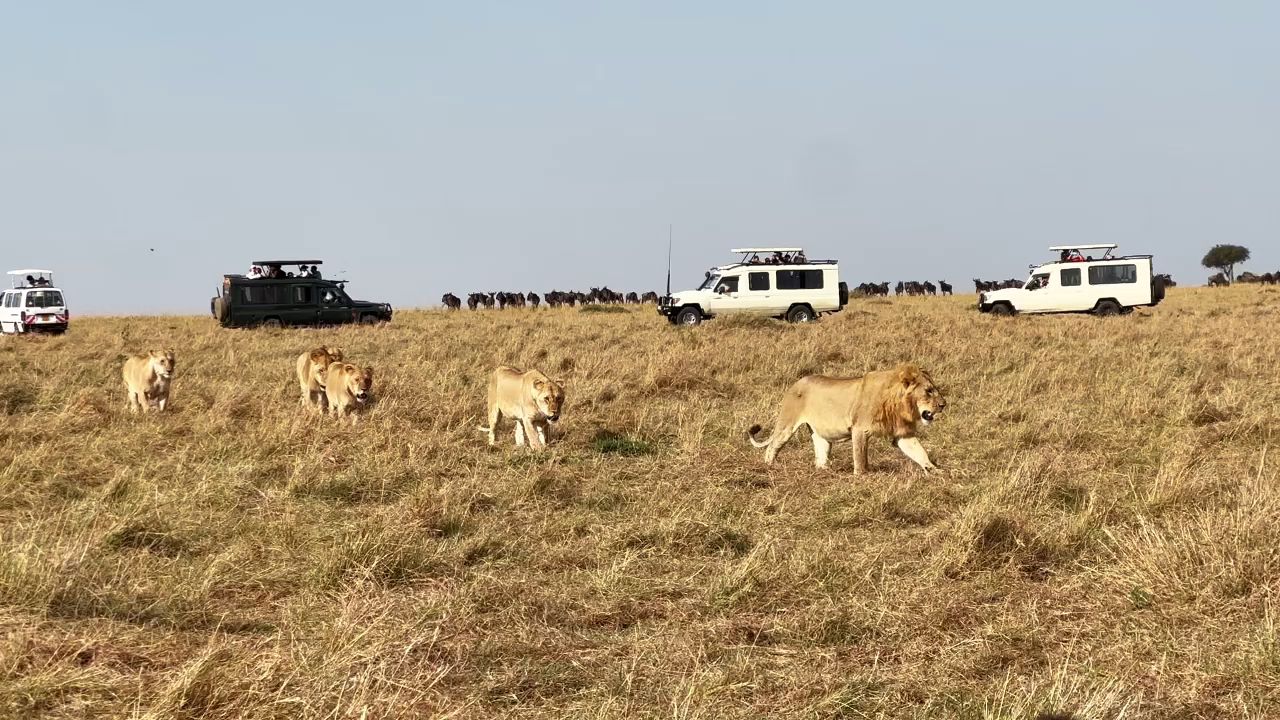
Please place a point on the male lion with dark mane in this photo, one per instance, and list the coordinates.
(886, 403)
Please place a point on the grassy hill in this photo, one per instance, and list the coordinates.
(1102, 542)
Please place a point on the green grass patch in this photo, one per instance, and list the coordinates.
(611, 443)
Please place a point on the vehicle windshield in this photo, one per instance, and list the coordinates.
(710, 281)
(44, 299)
(1037, 281)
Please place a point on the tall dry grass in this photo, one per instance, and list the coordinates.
(1103, 540)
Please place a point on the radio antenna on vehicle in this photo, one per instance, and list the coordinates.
(668, 261)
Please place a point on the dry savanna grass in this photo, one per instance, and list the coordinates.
(1103, 540)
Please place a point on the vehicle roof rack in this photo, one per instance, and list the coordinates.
(287, 262)
(19, 278)
(770, 249)
(1099, 246)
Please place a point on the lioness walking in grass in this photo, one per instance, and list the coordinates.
(347, 388)
(147, 377)
(313, 367)
(529, 398)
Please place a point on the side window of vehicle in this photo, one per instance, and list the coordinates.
(1071, 278)
(329, 297)
(758, 281)
(728, 285)
(302, 294)
(799, 279)
(1113, 274)
(263, 294)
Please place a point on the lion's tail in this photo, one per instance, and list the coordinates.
(751, 435)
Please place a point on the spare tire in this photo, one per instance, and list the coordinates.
(218, 306)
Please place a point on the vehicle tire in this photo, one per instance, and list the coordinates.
(1002, 309)
(689, 316)
(801, 314)
(369, 319)
(272, 323)
(1106, 308)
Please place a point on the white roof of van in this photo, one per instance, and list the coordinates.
(760, 250)
(30, 272)
(1103, 246)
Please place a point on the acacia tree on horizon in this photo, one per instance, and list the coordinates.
(1224, 258)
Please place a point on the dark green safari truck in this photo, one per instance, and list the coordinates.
(272, 295)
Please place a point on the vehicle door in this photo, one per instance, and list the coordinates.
(758, 297)
(1073, 295)
(47, 305)
(301, 307)
(726, 296)
(8, 311)
(334, 306)
(1039, 293)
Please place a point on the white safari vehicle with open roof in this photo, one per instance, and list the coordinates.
(1080, 283)
(770, 282)
(33, 304)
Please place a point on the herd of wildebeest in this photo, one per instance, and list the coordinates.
(605, 296)
(1221, 280)
(554, 298)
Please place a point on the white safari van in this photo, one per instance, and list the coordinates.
(771, 282)
(1081, 283)
(33, 304)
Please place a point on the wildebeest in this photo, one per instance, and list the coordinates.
(451, 301)
(633, 298)
(534, 300)
(945, 287)
(1218, 280)
(649, 297)
(871, 289)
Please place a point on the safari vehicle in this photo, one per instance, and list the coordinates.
(1079, 283)
(33, 304)
(771, 282)
(271, 296)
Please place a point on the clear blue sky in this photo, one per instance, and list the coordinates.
(425, 147)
